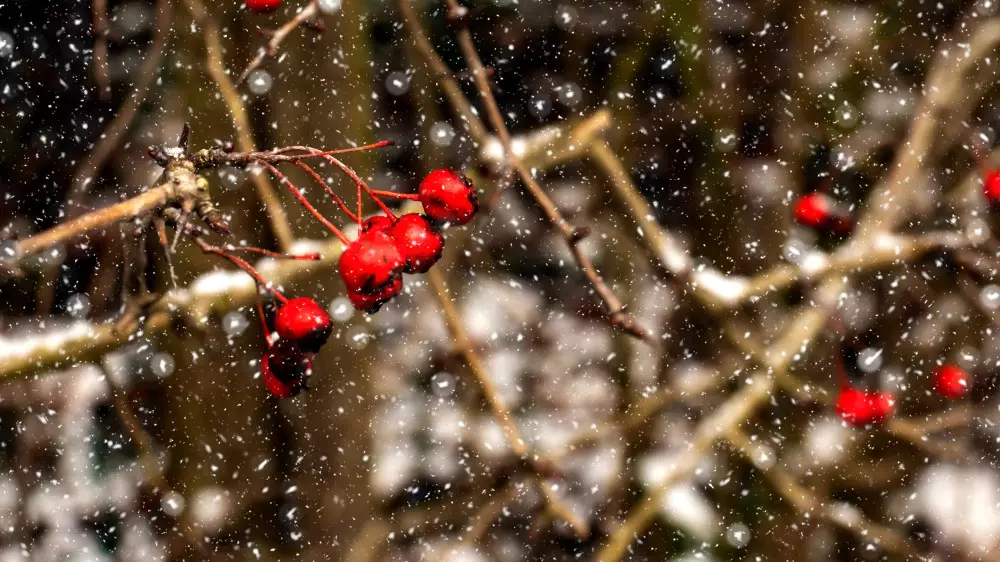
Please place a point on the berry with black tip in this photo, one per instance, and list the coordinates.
(303, 322)
(371, 263)
(285, 370)
(448, 197)
(372, 303)
(419, 240)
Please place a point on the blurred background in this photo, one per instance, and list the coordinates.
(722, 112)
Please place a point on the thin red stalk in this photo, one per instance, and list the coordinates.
(312, 152)
(302, 199)
(263, 322)
(394, 195)
(336, 198)
(361, 185)
(242, 264)
(312, 256)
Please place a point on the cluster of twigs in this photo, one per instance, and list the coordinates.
(181, 193)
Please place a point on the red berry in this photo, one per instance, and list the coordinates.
(263, 6)
(991, 187)
(379, 223)
(951, 381)
(860, 408)
(813, 210)
(371, 263)
(372, 303)
(853, 406)
(285, 370)
(419, 240)
(448, 197)
(303, 322)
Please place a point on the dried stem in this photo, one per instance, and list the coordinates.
(216, 68)
(242, 264)
(278, 36)
(99, 15)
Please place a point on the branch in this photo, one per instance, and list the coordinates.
(111, 138)
(463, 344)
(216, 68)
(277, 37)
(842, 514)
(614, 307)
(99, 28)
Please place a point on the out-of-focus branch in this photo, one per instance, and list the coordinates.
(844, 515)
(614, 307)
(150, 467)
(207, 297)
(539, 466)
(278, 37)
(216, 68)
(99, 28)
(115, 132)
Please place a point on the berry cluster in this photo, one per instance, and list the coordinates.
(302, 327)
(387, 246)
(862, 407)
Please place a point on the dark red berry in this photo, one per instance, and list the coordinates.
(991, 188)
(371, 263)
(860, 408)
(285, 370)
(951, 381)
(263, 6)
(304, 322)
(419, 240)
(379, 223)
(372, 303)
(448, 197)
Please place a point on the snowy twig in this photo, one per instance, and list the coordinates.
(270, 49)
(280, 226)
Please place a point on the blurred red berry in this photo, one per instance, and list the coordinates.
(303, 322)
(860, 408)
(419, 240)
(951, 381)
(991, 188)
(378, 223)
(372, 303)
(371, 263)
(263, 6)
(819, 211)
(448, 197)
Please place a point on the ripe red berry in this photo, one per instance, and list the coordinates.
(448, 197)
(991, 188)
(303, 322)
(263, 6)
(951, 381)
(285, 370)
(419, 240)
(819, 211)
(372, 303)
(860, 408)
(371, 263)
(380, 223)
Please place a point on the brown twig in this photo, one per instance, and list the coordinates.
(463, 345)
(614, 307)
(216, 68)
(278, 36)
(99, 28)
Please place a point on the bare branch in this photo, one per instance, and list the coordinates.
(278, 36)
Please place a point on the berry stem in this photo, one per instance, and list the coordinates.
(311, 256)
(282, 178)
(312, 152)
(263, 322)
(336, 198)
(242, 264)
(361, 185)
(394, 195)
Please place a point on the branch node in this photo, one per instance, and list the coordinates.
(578, 234)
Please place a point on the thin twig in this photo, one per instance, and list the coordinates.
(464, 346)
(216, 68)
(278, 36)
(99, 15)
